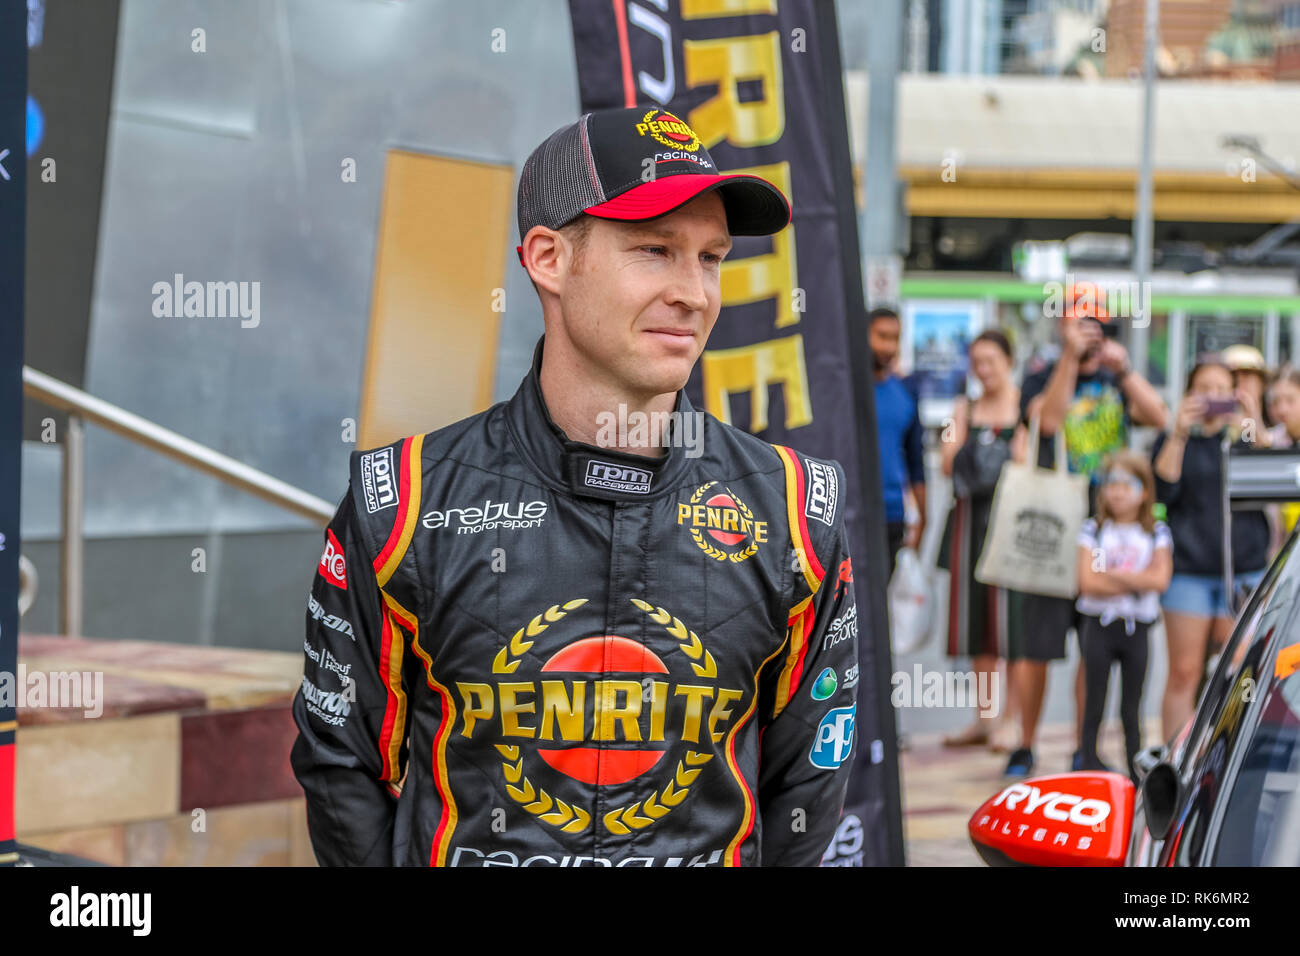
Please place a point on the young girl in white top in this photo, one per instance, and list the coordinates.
(1125, 562)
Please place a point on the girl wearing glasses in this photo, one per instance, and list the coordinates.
(1125, 563)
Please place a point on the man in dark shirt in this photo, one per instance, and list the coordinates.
(1091, 395)
(898, 431)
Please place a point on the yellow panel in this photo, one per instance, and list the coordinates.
(438, 287)
(1097, 194)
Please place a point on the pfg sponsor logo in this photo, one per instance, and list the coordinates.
(332, 621)
(842, 628)
(721, 525)
(329, 706)
(491, 514)
(604, 474)
(823, 492)
(846, 846)
(77, 909)
(326, 660)
(378, 482)
(333, 566)
(834, 739)
(468, 856)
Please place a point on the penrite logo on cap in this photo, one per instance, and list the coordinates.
(603, 474)
(668, 130)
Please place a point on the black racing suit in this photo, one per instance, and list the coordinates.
(527, 651)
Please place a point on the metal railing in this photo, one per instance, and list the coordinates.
(83, 407)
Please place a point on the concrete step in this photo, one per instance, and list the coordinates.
(145, 753)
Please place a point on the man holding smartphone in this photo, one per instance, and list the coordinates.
(1090, 395)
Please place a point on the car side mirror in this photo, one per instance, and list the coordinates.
(1146, 760)
(1161, 794)
(1073, 819)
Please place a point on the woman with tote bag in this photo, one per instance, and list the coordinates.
(974, 450)
(1031, 549)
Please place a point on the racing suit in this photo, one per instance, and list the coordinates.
(527, 651)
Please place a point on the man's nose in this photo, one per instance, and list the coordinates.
(690, 286)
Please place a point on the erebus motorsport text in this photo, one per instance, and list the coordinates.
(492, 514)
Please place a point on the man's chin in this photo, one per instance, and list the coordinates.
(662, 375)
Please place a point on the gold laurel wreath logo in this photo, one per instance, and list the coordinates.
(571, 818)
(661, 802)
(690, 147)
(687, 639)
(719, 554)
(548, 809)
(516, 647)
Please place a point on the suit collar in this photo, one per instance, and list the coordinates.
(592, 471)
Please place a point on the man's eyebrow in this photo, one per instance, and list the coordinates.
(650, 230)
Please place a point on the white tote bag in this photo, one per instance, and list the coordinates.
(911, 605)
(1032, 540)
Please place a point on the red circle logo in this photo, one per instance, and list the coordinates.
(726, 506)
(669, 121)
(604, 655)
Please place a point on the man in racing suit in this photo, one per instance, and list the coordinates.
(538, 637)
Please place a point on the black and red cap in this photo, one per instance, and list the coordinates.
(636, 164)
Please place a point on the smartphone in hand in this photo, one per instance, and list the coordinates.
(1214, 407)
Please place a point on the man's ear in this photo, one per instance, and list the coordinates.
(545, 255)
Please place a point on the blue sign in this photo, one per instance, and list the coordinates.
(35, 126)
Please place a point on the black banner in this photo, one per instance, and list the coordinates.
(13, 204)
(760, 82)
(71, 52)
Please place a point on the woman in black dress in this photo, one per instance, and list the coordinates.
(975, 444)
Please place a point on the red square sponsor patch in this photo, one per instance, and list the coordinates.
(332, 565)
